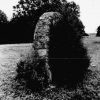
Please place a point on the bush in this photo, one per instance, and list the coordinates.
(31, 76)
(29, 11)
(66, 54)
(3, 17)
(61, 48)
(98, 31)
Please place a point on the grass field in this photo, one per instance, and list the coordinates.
(11, 54)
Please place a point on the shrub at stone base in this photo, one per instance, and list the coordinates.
(30, 76)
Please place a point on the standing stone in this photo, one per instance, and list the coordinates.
(41, 42)
(58, 46)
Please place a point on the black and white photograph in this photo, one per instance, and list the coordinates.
(49, 49)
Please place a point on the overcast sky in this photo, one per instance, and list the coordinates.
(90, 12)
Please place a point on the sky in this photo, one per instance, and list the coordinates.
(89, 12)
(7, 7)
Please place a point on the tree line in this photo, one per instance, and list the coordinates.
(20, 29)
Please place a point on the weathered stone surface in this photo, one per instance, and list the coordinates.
(43, 27)
(42, 38)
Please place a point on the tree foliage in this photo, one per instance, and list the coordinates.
(69, 61)
(3, 27)
(70, 45)
(31, 10)
(3, 17)
(98, 31)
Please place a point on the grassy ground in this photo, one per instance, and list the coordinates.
(10, 55)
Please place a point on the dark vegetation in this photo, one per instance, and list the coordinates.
(14, 31)
(20, 32)
(98, 31)
(3, 27)
(31, 73)
(3, 17)
(20, 29)
(67, 56)
(70, 60)
(27, 13)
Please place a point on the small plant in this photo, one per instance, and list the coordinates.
(30, 73)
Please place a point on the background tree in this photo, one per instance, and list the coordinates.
(70, 45)
(29, 11)
(3, 27)
(98, 31)
(3, 17)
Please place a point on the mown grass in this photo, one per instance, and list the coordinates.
(20, 90)
(17, 90)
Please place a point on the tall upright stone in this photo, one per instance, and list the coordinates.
(41, 41)
(58, 46)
